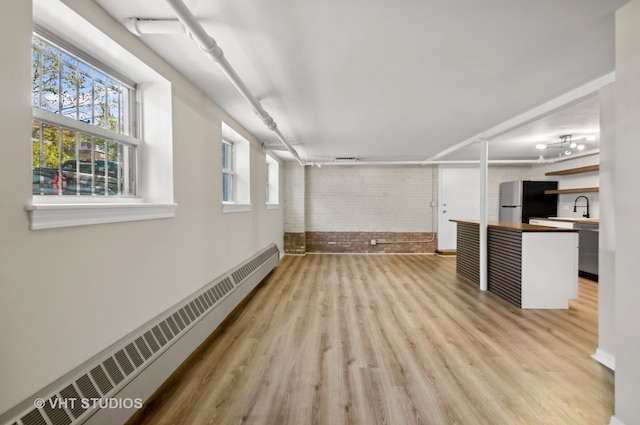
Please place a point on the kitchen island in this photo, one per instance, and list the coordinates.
(588, 240)
(528, 265)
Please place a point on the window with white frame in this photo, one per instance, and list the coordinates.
(228, 171)
(90, 163)
(236, 171)
(273, 181)
(83, 126)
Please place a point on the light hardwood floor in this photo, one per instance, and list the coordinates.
(389, 339)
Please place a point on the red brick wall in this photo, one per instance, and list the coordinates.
(294, 243)
(360, 242)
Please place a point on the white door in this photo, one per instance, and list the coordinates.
(459, 189)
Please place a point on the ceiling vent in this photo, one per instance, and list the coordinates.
(345, 159)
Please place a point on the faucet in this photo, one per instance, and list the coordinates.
(586, 214)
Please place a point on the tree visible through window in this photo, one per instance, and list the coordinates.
(82, 132)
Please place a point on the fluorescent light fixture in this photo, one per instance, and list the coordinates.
(541, 146)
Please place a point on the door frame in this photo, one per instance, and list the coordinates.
(441, 198)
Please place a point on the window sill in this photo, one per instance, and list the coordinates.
(232, 208)
(50, 216)
(273, 206)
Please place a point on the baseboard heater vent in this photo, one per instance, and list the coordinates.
(133, 368)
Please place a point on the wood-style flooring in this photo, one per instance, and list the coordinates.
(389, 339)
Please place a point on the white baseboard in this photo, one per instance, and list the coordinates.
(615, 421)
(605, 359)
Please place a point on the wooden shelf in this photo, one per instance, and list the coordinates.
(574, 190)
(586, 169)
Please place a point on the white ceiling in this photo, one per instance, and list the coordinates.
(579, 119)
(402, 80)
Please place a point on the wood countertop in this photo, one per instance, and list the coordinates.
(517, 227)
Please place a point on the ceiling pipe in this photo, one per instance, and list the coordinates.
(188, 24)
(461, 162)
(435, 162)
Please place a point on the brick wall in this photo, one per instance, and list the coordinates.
(370, 198)
(360, 242)
(342, 208)
(295, 243)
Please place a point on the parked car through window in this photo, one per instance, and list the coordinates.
(82, 127)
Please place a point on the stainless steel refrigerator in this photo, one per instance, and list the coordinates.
(522, 199)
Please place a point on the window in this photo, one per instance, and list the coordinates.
(236, 171)
(273, 181)
(91, 164)
(228, 171)
(82, 129)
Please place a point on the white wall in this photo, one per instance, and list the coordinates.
(362, 198)
(66, 294)
(294, 197)
(607, 231)
(375, 198)
(500, 174)
(590, 179)
(627, 231)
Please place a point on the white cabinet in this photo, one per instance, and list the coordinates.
(549, 269)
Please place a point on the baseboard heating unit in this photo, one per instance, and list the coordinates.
(134, 367)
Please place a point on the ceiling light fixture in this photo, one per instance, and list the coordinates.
(567, 144)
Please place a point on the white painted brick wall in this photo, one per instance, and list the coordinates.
(294, 197)
(370, 198)
(374, 198)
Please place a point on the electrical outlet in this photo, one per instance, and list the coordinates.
(434, 204)
(565, 208)
(373, 241)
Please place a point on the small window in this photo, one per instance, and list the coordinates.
(228, 171)
(82, 132)
(236, 171)
(273, 181)
(89, 163)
